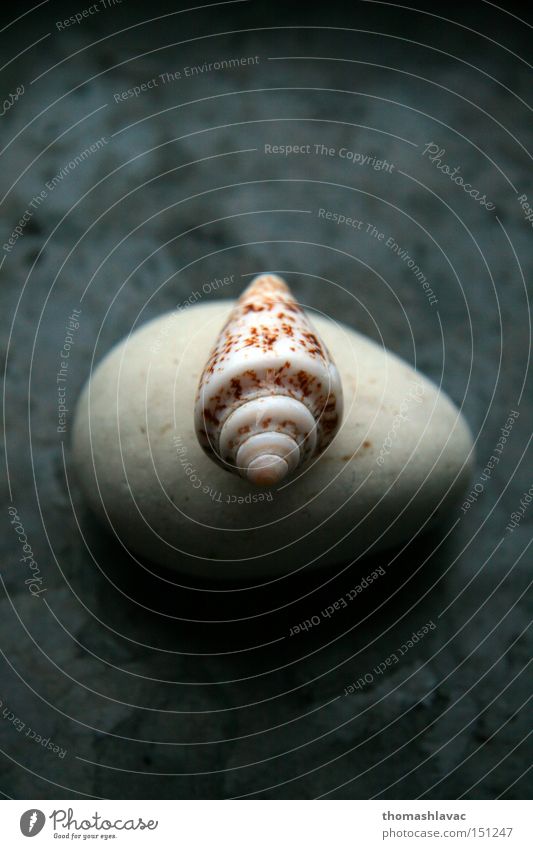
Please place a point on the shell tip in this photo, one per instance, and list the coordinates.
(267, 470)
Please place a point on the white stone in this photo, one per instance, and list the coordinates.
(401, 453)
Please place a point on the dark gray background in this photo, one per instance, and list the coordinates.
(165, 692)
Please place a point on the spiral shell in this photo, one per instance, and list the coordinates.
(270, 397)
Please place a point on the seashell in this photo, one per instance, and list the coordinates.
(270, 397)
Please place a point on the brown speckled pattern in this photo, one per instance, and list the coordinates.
(267, 347)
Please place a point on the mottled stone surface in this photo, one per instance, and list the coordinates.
(155, 689)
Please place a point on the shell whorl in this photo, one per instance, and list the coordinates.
(269, 397)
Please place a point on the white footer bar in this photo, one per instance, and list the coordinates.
(266, 824)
